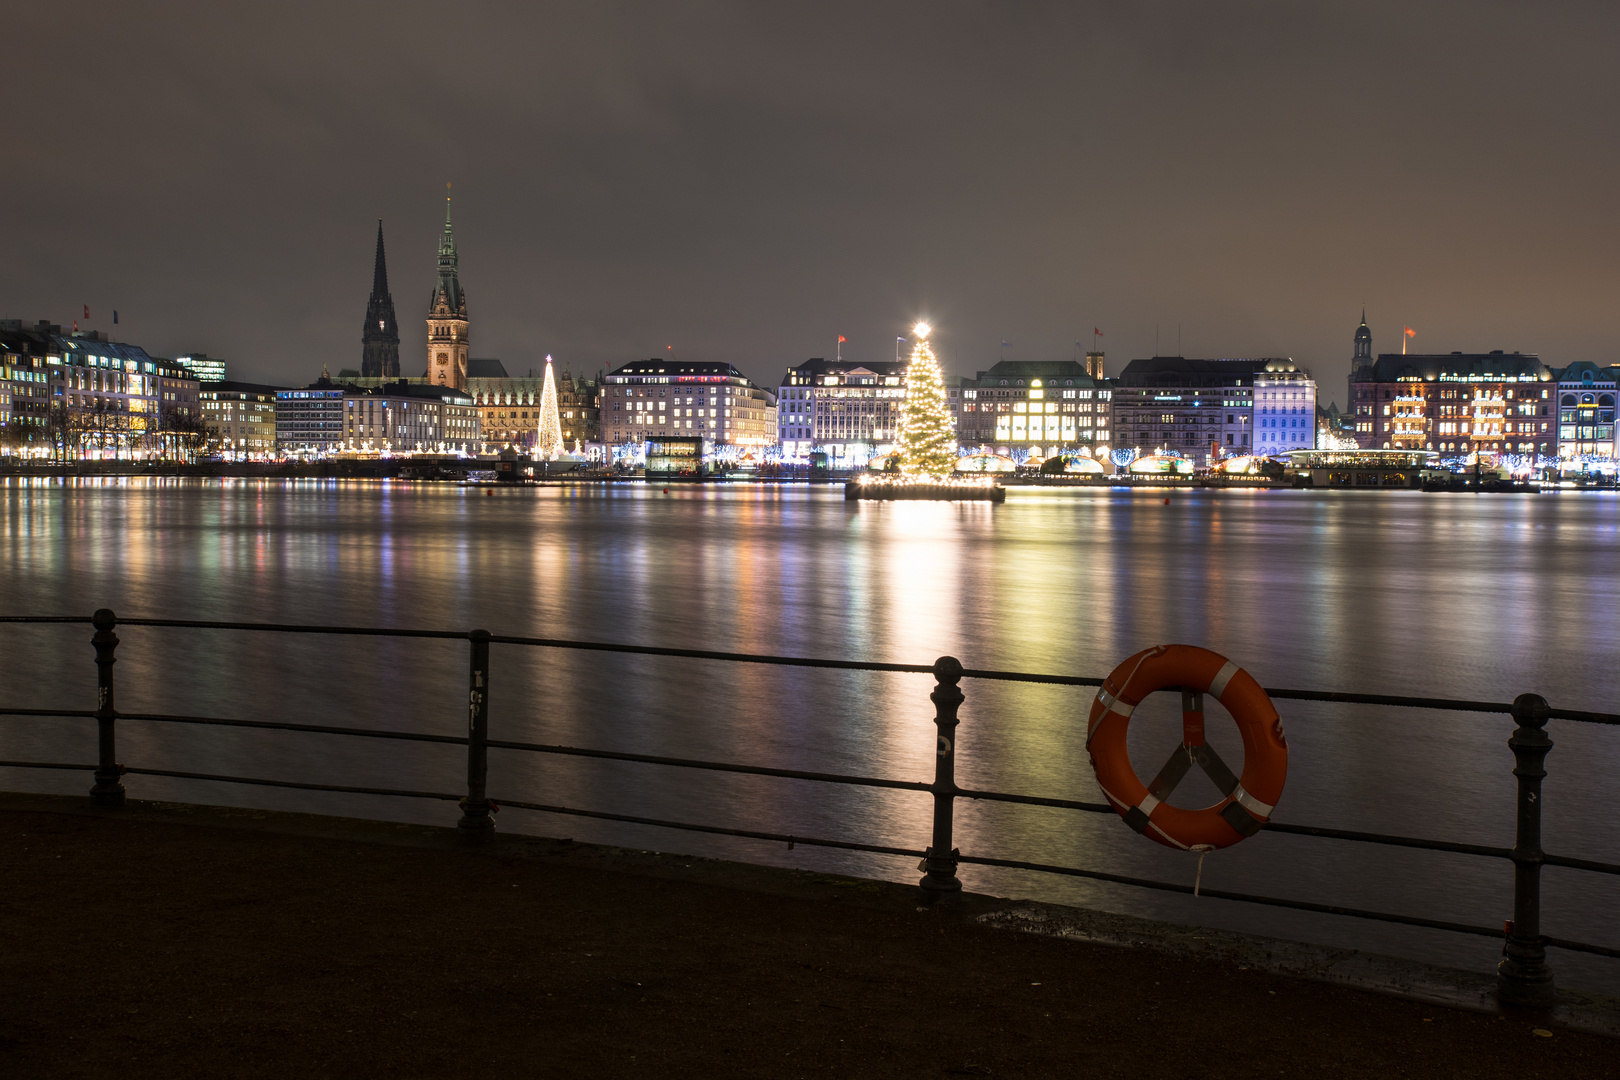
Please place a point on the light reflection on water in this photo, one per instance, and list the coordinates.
(1464, 596)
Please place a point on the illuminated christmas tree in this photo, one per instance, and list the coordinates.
(927, 444)
(550, 441)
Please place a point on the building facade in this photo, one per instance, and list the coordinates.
(1586, 427)
(1042, 407)
(379, 336)
(509, 405)
(309, 421)
(1284, 416)
(239, 419)
(25, 391)
(79, 395)
(844, 409)
(666, 397)
(447, 318)
(406, 418)
(203, 368)
(1200, 409)
(1455, 403)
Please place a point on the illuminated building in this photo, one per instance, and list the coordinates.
(1360, 468)
(1452, 403)
(1586, 428)
(1197, 408)
(1284, 408)
(447, 318)
(509, 405)
(309, 420)
(668, 397)
(1043, 406)
(407, 418)
(239, 418)
(79, 395)
(379, 335)
(203, 367)
(25, 394)
(844, 409)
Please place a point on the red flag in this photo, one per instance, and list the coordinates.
(1096, 331)
(87, 311)
(842, 339)
(1411, 332)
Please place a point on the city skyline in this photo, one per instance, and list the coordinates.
(718, 183)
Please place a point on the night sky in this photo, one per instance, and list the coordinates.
(747, 181)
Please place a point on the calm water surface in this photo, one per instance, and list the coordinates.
(1393, 592)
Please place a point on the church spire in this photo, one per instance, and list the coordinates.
(379, 273)
(379, 337)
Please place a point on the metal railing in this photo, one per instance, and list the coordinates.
(1524, 975)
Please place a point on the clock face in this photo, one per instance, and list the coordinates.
(380, 325)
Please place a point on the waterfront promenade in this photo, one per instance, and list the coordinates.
(173, 941)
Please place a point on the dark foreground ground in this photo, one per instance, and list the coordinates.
(139, 943)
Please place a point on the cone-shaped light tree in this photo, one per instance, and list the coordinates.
(550, 441)
(927, 444)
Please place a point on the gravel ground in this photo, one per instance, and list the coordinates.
(135, 946)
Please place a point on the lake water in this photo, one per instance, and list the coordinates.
(1389, 592)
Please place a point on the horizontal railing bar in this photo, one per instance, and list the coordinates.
(1393, 841)
(278, 725)
(293, 628)
(43, 765)
(705, 654)
(1034, 800)
(1581, 946)
(1399, 701)
(780, 838)
(714, 766)
(1580, 864)
(293, 784)
(86, 619)
(1444, 704)
(47, 712)
(839, 778)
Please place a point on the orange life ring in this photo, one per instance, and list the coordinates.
(1249, 799)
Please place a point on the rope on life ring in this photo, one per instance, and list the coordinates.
(1247, 800)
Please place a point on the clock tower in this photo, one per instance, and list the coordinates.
(447, 318)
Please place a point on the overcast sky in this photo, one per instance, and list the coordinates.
(747, 181)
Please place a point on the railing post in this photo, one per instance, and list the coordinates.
(1523, 977)
(108, 789)
(940, 882)
(476, 825)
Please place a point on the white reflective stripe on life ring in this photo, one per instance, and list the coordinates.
(1150, 802)
(1250, 803)
(1217, 685)
(1110, 703)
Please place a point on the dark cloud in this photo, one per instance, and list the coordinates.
(747, 181)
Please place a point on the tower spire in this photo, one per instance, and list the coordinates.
(447, 316)
(379, 273)
(379, 337)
